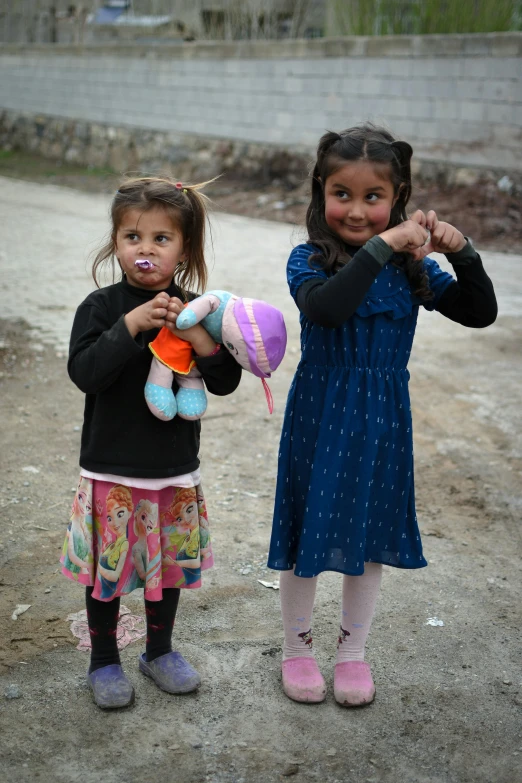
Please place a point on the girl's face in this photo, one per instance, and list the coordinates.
(187, 517)
(117, 517)
(359, 198)
(150, 236)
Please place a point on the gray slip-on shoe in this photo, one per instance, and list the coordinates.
(110, 687)
(171, 672)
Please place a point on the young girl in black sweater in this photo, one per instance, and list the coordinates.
(139, 494)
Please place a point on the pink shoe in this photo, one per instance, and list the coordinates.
(302, 680)
(353, 684)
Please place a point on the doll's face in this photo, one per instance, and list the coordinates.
(83, 502)
(146, 520)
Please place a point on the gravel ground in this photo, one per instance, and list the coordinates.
(449, 697)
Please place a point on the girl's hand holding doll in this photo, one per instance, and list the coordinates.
(150, 315)
(201, 341)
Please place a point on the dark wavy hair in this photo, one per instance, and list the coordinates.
(184, 204)
(376, 145)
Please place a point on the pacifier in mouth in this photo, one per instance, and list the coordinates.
(144, 263)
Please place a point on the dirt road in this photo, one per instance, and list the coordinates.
(449, 697)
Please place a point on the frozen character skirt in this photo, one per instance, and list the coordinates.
(120, 538)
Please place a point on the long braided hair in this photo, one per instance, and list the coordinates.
(376, 145)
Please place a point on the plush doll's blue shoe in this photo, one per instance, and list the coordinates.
(161, 401)
(192, 403)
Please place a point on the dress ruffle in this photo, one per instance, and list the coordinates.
(394, 306)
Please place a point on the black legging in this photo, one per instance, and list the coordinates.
(102, 617)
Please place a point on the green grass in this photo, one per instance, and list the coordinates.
(27, 166)
(422, 17)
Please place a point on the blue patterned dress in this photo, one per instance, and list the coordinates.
(345, 490)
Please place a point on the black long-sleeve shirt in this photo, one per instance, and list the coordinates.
(470, 300)
(120, 435)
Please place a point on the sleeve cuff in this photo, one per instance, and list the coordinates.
(214, 359)
(378, 248)
(463, 257)
(129, 343)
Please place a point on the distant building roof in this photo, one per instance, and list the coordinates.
(130, 20)
(116, 12)
(107, 15)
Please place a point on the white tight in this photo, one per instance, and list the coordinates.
(359, 597)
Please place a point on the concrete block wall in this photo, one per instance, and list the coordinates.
(452, 97)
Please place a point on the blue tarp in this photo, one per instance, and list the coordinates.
(107, 15)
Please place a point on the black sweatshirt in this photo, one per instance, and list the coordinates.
(120, 435)
(470, 300)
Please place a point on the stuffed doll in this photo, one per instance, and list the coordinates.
(251, 330)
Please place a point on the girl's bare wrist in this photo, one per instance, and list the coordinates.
(206, 349)
(202, 343)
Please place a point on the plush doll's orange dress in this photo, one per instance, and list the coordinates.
(173, 352)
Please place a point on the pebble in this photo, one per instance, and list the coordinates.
(331, 752)
(12, 692)
(507, 681)
(518, 699)
(291, 769)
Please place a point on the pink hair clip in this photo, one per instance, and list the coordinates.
(179, 185)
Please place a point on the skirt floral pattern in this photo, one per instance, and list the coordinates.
(120, 538)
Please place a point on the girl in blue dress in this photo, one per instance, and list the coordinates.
(345, 492)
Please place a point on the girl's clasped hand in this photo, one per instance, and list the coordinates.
(163, 310)
(423, 234)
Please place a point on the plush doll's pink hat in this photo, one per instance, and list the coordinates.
(255, 334)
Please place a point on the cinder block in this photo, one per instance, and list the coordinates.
(498, 113)
(508, 136)
(506, 45)
(476, 67)
(471, 111)
(398, 67)
(405, 129)
(497, 89)
(517, 116)
(471, 89)
(446, 109)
